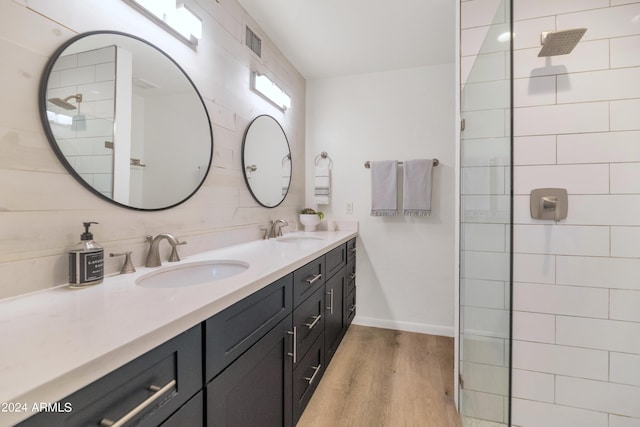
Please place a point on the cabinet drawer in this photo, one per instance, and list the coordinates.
(172, 372)
(350, 307)
(307, 376)
(350, 277)
(190, 414)
(335, 259)
(308, 321)
(232, 331)
(351, 250)
(256, 389)
(307, 279)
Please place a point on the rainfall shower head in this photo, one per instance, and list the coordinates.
(64, 103)
(560, 42)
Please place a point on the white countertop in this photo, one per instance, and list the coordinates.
(57, 341)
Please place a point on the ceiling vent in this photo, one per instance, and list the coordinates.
(254, 42)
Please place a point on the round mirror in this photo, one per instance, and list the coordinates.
(266, 161)
(125, 120)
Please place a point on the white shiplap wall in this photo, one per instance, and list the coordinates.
(42, 207)
(576, 351)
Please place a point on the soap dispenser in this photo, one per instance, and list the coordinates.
(86, 261)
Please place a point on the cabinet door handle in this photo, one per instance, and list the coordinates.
(295, 345)
(159, 391)
(352, 276)
(313, 279)
(330, 308)
(353, 250)
(352, 308)
(316, 319)
(313, 377)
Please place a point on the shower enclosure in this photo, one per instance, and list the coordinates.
(486, 215)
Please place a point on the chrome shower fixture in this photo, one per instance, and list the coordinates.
(560, 42)
(64, 103)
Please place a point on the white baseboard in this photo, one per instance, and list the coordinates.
(445, 331)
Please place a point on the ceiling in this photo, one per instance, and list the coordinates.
(331, 38)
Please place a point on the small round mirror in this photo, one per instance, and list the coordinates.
(266, 161)
(125, 120)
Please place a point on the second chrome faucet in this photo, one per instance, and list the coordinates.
(153, 257)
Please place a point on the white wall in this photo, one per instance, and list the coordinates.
(42, 207)
(405, 264)
(576, 301)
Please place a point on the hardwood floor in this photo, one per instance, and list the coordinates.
(386, 378)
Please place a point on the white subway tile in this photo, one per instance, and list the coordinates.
(561, 240)
(482, 180)
(105, 72)
(97, 56)
(607, 147)
(528, 413)
(598, 395)
(625, 305)
(534, 268)
(624, 114)
(78, 76)
(625, 52)
(486, 322)
(471, 40)
(534, 150)
(484, 406)
(619, 421)
(483, 237)
(603, 23)
(482, 293)
(525, 9)
(97, 91)
(567, 300)
(533, 386)
(609, 335)
(561, 360)
(532, 91)
(534, 327)
(483, 68)
(617, 273)
(486, 378)
(587, 56)
(479, 13)
(485, 152)
(527, 32)
(625, 178)
(624, 242)
(486, 265)
(94, 164)
(604, 210)
(622, 83)
(559, 119)
(493, 208)
(479, 349)
(483, 124)
(624, 368)
(577, 179)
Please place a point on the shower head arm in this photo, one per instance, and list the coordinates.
(77, 97)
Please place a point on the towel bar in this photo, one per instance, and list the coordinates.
(367, 164)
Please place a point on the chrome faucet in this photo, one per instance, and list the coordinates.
(153, 257)
(276, 228)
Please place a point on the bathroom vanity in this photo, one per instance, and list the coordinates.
(248, 349)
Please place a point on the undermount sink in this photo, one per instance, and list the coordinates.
(297, 238)
(194, 273)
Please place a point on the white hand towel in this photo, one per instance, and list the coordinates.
(416, 200)
(322, 185)
(384, 188)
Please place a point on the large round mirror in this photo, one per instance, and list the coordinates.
(125, 120)
(266, 161)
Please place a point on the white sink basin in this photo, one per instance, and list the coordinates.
(194, 273)
(297, 238)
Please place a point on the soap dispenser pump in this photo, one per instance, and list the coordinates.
(86, 261)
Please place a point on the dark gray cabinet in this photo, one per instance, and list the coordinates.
(334, 312)
(307, 375)
(147, 390)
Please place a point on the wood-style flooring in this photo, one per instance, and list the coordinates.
(386, 378)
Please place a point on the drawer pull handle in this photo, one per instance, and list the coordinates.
(316, 319)
(294, 355)
(159, 391)
(313, 279)
(330, 308)
(313, 377)
(353, 250)
(352, 276)
(352, 308)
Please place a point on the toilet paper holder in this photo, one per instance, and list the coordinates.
(549, 204)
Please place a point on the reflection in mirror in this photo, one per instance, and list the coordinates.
(266, 161)
(126, 121)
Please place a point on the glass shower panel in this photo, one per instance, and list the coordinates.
(485, 260)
